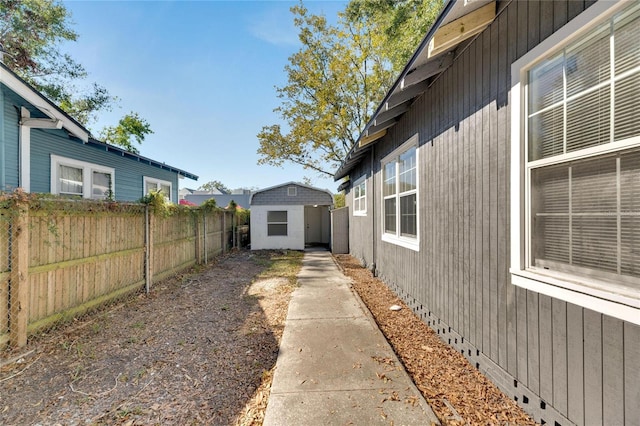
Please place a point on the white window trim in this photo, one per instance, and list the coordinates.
(406, 242)
(617, 301)
(147, 179)
(87, 174)
(362, 180)
(291, 193)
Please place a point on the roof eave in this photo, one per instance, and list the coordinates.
(111, 148)
(411, 83)
(38, 100)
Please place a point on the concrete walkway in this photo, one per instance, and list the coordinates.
(335, 367)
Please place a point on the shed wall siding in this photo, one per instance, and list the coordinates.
(294, 239)
(572, 364)
(129, 173)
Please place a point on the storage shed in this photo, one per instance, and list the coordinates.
(290, 216)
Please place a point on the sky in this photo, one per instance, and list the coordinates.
(202, 73)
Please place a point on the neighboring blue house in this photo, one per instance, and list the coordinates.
(43, 149)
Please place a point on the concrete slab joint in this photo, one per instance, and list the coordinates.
(334, 365)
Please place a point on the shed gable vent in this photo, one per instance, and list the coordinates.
(292, 191)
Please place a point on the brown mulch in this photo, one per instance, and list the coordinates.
(456, 391)
(199, 349)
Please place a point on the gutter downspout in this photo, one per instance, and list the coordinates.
(373, 268)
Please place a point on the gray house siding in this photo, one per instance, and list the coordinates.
(128, 172)
(563, 363)
(279, 196)
(361, 228)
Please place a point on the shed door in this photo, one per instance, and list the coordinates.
(313, 225)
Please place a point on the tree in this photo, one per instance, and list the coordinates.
(213, 185)
(31, 32)
(131, 128)
(403, 23)
(336, 80)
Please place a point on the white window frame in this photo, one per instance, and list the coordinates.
(292, 191)
(362, 184)
(147, 179)
(278, 223)
(412, 243)
(618, 301)
(87, 174)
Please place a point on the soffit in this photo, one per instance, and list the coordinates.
(458, 22)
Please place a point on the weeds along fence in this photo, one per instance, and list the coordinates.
(61, 258)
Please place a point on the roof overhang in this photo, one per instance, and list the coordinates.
(58, 119)
(458, 22)
(44, 105)
(124, 153)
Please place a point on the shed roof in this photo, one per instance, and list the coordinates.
(456, 25)
(302, 185)
(40, 105)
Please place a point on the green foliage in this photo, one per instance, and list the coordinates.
(338, 77)
(243, 216)
(157, 201)
(402, 24)
(210, 204)
(213, 185)
(31, 33)
(339, 200)
(131, 128)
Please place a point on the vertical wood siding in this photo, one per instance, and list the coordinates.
(563, 363)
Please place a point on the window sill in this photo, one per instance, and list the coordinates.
(360, 213)
(622, 303)
(412, 244)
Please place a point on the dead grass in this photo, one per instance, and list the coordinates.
(198, 350)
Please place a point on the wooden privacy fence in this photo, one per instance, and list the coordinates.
(59, 259)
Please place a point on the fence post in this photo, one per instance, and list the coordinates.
(19, 277)
(148, 253)
(224, 231)
(198, 242)
(234, 229)
(204, 236)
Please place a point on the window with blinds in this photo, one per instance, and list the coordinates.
(583, 148)
(76, 178)
(70, 180)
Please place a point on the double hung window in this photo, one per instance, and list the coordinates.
(360, 197)
(400, 195)
(580, 132)
(154, 185)
(77, 178)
